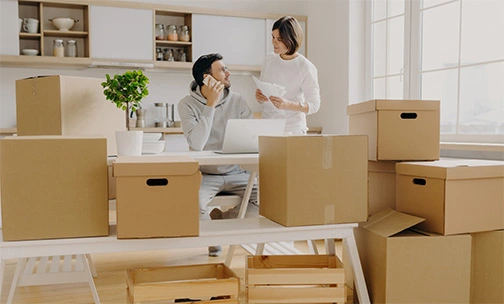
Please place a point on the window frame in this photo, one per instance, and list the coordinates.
(412, 75)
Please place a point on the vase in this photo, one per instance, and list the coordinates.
(140, 114)
(129, 143)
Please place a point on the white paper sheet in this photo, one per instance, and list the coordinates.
(270, 89)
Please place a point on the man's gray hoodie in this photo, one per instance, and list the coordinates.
(204, 126)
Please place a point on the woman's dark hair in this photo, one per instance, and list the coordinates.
(290, 32)
(204, 66)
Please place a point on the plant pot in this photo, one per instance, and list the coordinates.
(129, 143)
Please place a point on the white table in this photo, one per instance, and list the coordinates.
(224, 232)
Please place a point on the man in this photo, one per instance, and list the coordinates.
(204, 114)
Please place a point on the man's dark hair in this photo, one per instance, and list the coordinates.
(204, 66)
(290, 32)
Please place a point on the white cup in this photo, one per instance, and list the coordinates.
(30, 25)
(20, 24)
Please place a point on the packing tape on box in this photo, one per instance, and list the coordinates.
(327, 149)
(327, 163)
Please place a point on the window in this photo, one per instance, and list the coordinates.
(387, 27)
(453, 51)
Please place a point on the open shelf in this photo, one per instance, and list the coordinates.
(67, 34)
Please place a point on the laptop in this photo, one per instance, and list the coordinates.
(242, 135)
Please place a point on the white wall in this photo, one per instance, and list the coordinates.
(335, 47)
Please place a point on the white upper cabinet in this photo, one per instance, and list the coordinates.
(9, 27)
(240, 41)
(269, 45)
(121, 33)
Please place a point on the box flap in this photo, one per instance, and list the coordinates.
(362, 107)
(40, 76)
(156, 165)
(389, 104)
(453, 169)
(408, 105)
(389, 222)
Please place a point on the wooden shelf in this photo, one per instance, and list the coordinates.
(8, 131)
(172, 43)
(173, 65)
(44, 61)
(68, 34)
(314, 130)
(29, 36)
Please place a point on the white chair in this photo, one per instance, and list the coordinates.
(54, 270)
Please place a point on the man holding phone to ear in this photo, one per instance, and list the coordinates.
(204, 114)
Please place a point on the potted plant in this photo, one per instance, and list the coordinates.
(126, 91)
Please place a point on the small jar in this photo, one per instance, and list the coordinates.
(184, 34)
(58, 48)
(171, 33)
(168, 55)
(160, 31)
(159, 54)
(71, 48)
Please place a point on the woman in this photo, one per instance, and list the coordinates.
(287, 68)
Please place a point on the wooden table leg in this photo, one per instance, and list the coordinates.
(242, 212)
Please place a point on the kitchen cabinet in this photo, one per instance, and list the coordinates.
(121, 33)
(43, 39)
(239, 40)
(9, 28)
(179, 45)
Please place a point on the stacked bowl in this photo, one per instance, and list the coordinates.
(152, 143)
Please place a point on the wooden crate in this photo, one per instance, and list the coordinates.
(295, 279)
(198, 282)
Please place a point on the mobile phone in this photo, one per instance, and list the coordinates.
(209, 80)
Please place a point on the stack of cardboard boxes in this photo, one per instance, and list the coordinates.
(54, 173)
(444, 244)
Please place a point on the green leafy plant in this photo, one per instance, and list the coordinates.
(126, 91)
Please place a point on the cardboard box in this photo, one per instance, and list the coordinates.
(53, 187)
(200, 283)
(295, 279)
(453, 195)
(382, 185)
(404, 266)
(313, 180)
(157, 196)
(487, 272)
(398, 129)
(67, 105)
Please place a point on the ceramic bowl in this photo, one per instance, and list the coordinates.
(149, 137)
(153, 147)
(30, 52)
(63, 24)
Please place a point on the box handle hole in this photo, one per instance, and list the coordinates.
(155, 182)
(419, 181)
(409, 115)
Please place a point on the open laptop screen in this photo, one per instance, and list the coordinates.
(242, 135)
